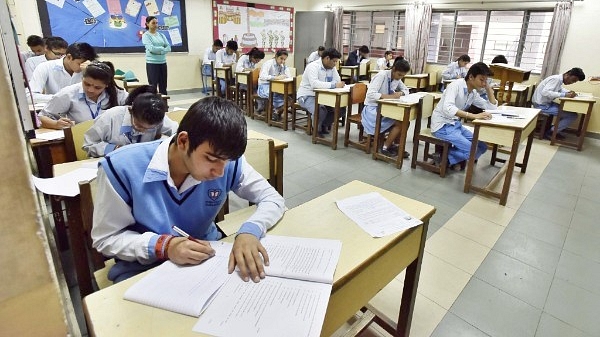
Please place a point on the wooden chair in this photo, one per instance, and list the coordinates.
(91, 267)
(74, 141)
(305, 117)
(358, 93)
(428, 138)
(255, 98)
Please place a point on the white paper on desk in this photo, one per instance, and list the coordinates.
(67, 184)
(376, 215)
(52, 135)
(267, 309)
(411, 98)
(503, 112)
(187, 289)
(504, 119)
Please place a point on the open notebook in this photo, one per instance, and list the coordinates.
(296, 290)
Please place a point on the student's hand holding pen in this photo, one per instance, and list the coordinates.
(64, 122)
(571, 94)
(189, 250)
(248, 255)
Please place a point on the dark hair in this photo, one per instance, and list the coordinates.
(332, 53)
(149, 108)
(577, 72)
(218, 43)
(56, 42)
(144, 89)
(256, 53)
(401, 65)
(364, 49)
(464, 58)
(321, 48)
(500, 59)
(102, 71)
(218, 121)
(398, 58)
(148, 19)
(281, 52)
(82, 50)
(478, 68)
(389, 52)
(112, 67)
(34, 40)
(232, 45)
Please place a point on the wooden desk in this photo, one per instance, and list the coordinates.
(372, 73)
(286, 87)
(365, 266)
(581, 104)
(47, 153)
(223, 73)
(521, 92)
(244, 77)
(280, 145)
(509, 134)
(336, 98)
(417, 81)
(349, 72)
(508, 75)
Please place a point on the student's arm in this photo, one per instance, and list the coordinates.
(239, 67)
(37, 83)
(122, 96)
(448, 73)
(549, 89)
(264, 71)
(287, 72)
(373, 93)
(29, 68)
(96, 139)
(50, 116)
(206, 60)
(169, 127)
(403, 88)
(150, 47)
(312, 73)
(219, 58)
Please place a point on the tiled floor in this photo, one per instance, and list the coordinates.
(528, 269)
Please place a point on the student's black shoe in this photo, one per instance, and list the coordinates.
(437, 158)
(406, 155)
(390, 152)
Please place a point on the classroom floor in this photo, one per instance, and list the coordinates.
(528, 269)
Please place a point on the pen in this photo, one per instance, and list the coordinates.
(514, 117)
(185, 235)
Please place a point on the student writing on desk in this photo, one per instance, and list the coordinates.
(274, 68)
(458, 97)
(145, 189)
(550, 89)
(456, 69)
(226, 58)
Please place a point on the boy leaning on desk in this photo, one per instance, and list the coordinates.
(144, 189)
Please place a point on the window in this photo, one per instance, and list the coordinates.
(521, 36)
(380, 31)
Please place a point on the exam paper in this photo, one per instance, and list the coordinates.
(67, 184)
(376, 215)
(52, 135)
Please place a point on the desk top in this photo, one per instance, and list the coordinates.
(108, 314)
(526, 115)
(337, 91)
(416, 76)
(515, 88)
(581, 96)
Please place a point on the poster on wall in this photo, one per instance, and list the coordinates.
(266, 27)
(113, 26)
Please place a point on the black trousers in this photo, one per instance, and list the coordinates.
(157, 76)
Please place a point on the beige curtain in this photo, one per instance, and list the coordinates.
(418, 25)
(556, 40)
(338, 32)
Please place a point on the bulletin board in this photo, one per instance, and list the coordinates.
(113, 26)
(266, 27)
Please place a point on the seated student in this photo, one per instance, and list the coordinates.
(248, 61)
(210, 55)
(456, 69)
(385, 62)
(144, 189)
(386, 84)
(355, 57)
(273, 69)
(483, 92)
(315, 55)
(320, 75)
(83, 101)
(36, 46)
(51, 76)
(55, 48)
(550, 89)
(458, 96)
(226, 57)
(142, 119)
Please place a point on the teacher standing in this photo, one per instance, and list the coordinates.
(157, 47)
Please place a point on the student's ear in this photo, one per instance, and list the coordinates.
(183, 140)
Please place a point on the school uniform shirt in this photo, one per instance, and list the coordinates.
(32, 63)
(221, 58)
(456, 97)
(25, 55)
(244, 63)
(548, 90)
(73, 102)
(49, 78)
(382, 84)
(209, 56)
(270, 69)
(137, 200)
(354, 58)
(157, 46)
(454, 71)
(313, 57)
(383, 64)
(114, 128)
(317, 77)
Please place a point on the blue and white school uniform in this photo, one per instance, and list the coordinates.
(268, 71)
(244, 63)
(381, 84)
(317, 77)
(543, 98)
(221, 58)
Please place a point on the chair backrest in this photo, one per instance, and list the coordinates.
(260, 153)
(177, 116)
(255, 75)
(298, 81)
(530, 95)
(358, 93)
(427, 106)
(363, 68)
(74, 140)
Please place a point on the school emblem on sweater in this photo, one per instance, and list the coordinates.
(214, 194)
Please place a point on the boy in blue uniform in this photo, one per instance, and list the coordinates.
(144, 189)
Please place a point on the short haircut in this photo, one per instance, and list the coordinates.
(149, 108)
(401, 65)
(56, 42)
(144, 89)
(332, 53)
(364, 49)
(256, 53)
(321, 48)
(82, 50)
(232, 45)
(219, 122)
(500, 59)
(281, 52)
(218, 43)
(478, 68)
(34, 40)
(577, 72)
(389, 52)
(464, 58)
